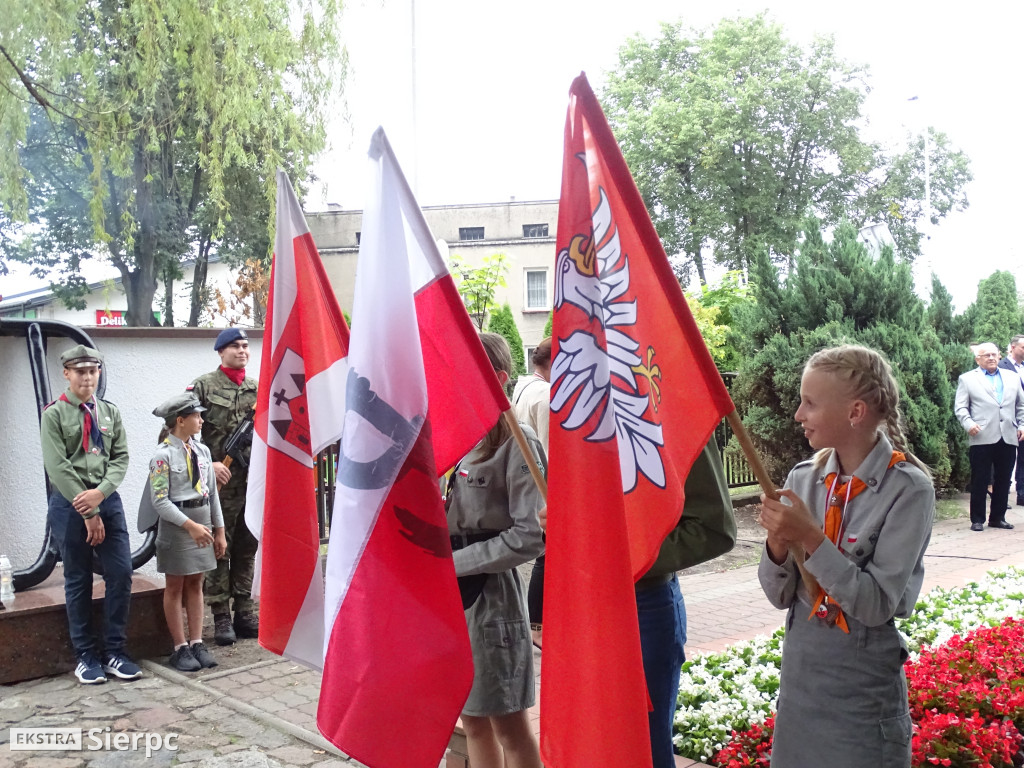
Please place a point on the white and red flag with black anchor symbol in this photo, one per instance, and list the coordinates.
(298, 414)
(420, 394)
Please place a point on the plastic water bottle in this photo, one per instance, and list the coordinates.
(6, 580)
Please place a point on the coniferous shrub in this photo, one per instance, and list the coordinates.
(998, 316)
(839, 293)
(503, 323)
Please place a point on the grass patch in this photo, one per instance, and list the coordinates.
(745, 490)
(949, 509)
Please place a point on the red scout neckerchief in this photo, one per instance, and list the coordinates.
(825, 608)
(237, 375)
(90, 427)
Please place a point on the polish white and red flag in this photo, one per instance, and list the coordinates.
(420, 394)
(298, 414)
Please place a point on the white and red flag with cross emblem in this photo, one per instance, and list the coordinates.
(634, 398)
(298, 414)
(420, 394)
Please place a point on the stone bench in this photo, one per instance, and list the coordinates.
(38, 620)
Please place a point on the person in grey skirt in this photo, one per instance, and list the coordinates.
(181, 497)
(861, 509)
(492, 505)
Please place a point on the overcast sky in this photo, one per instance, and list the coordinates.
(492, 82)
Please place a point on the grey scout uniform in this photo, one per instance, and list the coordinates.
(498, 495)
(226, 405)
(169, 496)
(843, 697)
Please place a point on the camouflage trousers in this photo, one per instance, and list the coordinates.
(232, 578)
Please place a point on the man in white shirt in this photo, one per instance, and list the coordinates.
(990, 405)
(1014, 361)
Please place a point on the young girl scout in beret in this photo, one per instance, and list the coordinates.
(182, 494)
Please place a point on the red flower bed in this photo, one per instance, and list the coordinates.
(966, 700)
(749, 748)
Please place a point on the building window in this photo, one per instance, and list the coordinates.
(529, 359)
(537, 289)
(535, 230)
(471, 233)
(358, 235)
(21, 312)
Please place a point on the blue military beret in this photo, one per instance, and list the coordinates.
(227, 336)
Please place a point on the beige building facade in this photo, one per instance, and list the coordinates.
(523, 231)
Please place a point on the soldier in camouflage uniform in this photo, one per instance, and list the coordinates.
(228, 395)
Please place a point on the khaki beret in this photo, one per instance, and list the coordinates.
(180, 405)
(81, 356)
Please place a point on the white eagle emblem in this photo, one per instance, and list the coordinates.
(593, 275)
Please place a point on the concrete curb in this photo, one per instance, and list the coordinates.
(313, 739)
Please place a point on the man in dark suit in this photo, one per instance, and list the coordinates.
(990, 406)
(1014, 361)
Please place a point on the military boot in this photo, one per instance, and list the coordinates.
(247, 624)
(223, 632)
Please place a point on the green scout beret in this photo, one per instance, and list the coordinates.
(81, 356)
(180, 405)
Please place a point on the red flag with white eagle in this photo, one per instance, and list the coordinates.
(634, 398)
(298, 414)
(420, 394)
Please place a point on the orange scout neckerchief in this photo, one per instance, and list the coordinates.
(825, 608)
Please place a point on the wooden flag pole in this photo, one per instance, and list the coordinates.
(517, 432)
(771, 492)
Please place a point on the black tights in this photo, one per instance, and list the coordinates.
(535, 595)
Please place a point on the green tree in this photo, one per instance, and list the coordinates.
(712, 331)
(502, 322)
(893, 192)
(724, 297)
(998, 310)
(837, 293)
(165, 121)
(735, 135)
(478, 285)
(954, 333)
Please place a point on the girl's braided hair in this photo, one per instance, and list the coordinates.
(869, 377)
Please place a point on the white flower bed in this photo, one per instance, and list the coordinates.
(731, 690)
(727, 691)
(943, 613)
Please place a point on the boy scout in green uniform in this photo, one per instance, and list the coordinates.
(85, 453)
(228, 396)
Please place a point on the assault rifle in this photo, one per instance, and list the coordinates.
(239, 440)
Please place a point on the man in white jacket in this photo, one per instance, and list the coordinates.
(990, 406)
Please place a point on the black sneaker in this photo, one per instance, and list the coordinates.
(202, 654)
(247, 624)
(89, 671)
(119, 665)
(183, 660)
(223, 632)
